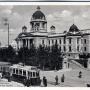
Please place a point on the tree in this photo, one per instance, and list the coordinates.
(55, 56)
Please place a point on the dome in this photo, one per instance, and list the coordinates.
(38, 14)
(73, 28)
(52, 27)
(24, 27)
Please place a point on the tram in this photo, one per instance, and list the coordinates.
(21, 73)
(4, 69)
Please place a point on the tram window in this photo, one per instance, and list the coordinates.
(16, 71)
(33, 74)
(1, 68)
(37, 74)
(24, 72)
(4, 68)
(29, 73)
(20, 72)
(13, 70)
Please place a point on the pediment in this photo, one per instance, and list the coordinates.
(23, 35)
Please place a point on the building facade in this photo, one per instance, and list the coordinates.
(72, 42)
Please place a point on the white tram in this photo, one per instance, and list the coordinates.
(4, 68)
(20, 72)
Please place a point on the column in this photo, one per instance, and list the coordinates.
(26, 42)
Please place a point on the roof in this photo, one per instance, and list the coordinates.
(24, 67)
(25, 34)
(74, 34)
(4, 63)
(24, 27)
(73, 28)
(38, 14)
(52, 27)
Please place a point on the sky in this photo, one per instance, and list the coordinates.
(61, 16)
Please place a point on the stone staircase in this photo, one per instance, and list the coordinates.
(75, 65)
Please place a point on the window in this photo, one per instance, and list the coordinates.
(60, 41)
(84, 41)
(69, 40)
(85, 49)
(16, 71)
(28, 73)
(1, 68)
(37, 74)
(24, 72)
(42, 42)
(4, 69)
(49, 42)
(33, 74)
(13, 70)
(64, 48)
(20, 72)
(77, 48)
(60, 48)
(69, 48)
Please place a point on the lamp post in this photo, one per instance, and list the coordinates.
(6, 23)
(8, 33)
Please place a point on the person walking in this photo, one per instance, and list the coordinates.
(45, 82)
(63, 78)
(80, 74)
(56, 78)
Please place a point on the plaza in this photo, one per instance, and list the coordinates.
(71, 78)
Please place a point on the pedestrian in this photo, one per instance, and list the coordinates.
(56, 78)
(0, 75)
(45, 82)
(88, 85)
(80, 74)
(24, 82)
(62, 78)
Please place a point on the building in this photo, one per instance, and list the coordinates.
(72, 42)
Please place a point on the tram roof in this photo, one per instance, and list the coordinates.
(4, 63)
(23, 67)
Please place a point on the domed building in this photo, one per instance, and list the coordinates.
(72, 42)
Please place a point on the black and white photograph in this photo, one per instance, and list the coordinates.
(45, 45)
